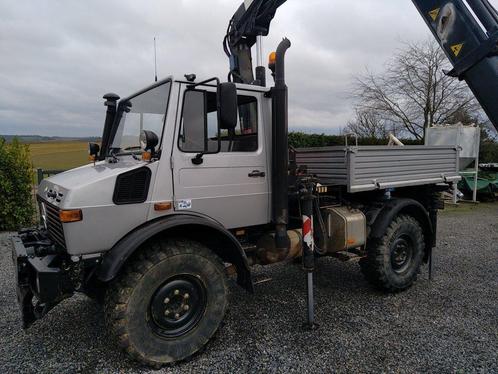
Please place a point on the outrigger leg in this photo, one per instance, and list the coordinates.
(308, 251)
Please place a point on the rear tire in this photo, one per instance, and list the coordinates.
(393, 262)
(168, 302)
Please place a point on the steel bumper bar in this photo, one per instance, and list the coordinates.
(41, 283)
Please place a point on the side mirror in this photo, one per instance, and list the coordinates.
(93, 150)
(227, 106)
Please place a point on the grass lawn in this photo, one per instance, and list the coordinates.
(61, 155)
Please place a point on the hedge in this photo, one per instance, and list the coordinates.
(488, 152)
(16, 181)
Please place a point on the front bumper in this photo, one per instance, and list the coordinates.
(41, 281)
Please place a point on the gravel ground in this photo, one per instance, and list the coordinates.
(447, 325)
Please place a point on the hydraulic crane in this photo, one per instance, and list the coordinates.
(248, 25)
(466, 30)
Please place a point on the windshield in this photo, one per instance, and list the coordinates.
(147, 111)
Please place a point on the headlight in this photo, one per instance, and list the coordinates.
(148, 140)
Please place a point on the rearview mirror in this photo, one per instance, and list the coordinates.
(93, 149)
(227, 108)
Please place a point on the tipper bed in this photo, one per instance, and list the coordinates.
(366, 168)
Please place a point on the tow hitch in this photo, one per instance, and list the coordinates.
(41, 282)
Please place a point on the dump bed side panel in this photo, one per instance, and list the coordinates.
(367, 168)
(329, 163)
(385, 167)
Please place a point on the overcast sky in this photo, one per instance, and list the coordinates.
(57, 58)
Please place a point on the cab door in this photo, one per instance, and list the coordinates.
(221, 174)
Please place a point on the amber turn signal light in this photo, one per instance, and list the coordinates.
(73, 215)
(272, 60)
(146, 156)
(165, 205)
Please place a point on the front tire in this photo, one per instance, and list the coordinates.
(168, 302)
(393, 262)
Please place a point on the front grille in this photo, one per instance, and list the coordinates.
(54, 224)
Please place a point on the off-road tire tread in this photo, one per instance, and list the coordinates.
(372, 266)
(119, 292)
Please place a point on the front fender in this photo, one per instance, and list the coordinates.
(197, 227)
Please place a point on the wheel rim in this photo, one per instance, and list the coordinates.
(177, 306)
(401, 253)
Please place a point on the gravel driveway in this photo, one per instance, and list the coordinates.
(447, 325)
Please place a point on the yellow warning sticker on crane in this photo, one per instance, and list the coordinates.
(456, 49)
(434, 13)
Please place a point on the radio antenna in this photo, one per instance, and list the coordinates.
(155, 60)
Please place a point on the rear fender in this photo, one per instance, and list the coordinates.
(382, 218)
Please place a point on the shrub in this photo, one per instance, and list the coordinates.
(303, 140)
(489, 147)
(16, 179)
(488, 152)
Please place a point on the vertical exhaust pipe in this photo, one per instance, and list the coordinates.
(280, 149)
(111, 104)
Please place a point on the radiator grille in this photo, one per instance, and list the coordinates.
(54, 225)
(132, 187)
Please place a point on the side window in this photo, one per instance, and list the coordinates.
(245, 138)
(199, 126)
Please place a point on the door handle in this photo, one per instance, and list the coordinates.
(256, 174)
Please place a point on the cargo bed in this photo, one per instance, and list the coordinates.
(366, 168)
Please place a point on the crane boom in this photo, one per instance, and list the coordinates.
(252, 19)
(469, 37)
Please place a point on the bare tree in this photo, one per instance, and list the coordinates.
(370, 124)
(414, 91)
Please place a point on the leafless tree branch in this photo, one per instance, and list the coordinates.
(413, 92)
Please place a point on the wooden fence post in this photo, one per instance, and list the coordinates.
(39, 174)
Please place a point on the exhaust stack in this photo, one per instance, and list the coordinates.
(280, 149)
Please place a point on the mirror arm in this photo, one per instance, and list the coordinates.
(198, 160)
(194, 85)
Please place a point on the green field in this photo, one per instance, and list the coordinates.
(61, 155)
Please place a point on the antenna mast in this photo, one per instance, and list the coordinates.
(155, 60)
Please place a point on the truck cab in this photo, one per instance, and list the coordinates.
(194, 167)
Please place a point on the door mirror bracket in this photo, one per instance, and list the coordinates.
(198, 159)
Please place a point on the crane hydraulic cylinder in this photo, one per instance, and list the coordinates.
(468, 33)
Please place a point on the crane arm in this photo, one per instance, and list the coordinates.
(252, 19)
(469, 37)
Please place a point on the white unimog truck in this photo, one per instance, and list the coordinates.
(193, 180)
